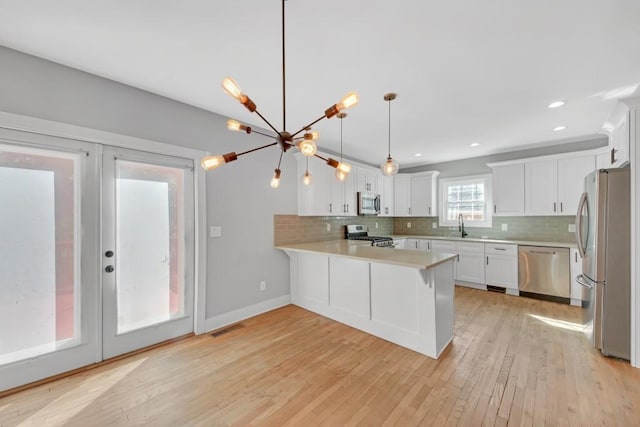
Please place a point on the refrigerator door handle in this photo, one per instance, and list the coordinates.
(579, 237)
(580, 278)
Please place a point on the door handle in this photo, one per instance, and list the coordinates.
(579, 279)
(579, 238)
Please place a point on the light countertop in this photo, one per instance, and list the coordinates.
(481, 240)
(365, 252)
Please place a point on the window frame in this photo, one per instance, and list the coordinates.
(488, 200)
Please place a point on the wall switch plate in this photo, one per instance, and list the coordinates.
(434, 225)
(572, 228)
(263, 285)
(408, 225)
(215, 231)
(505, 227)
(328, 227)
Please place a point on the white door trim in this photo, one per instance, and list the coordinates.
(68, 131)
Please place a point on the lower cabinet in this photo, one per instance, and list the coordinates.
(501, 266)
(470, 262)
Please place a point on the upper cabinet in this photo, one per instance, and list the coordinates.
(618, 128)
(315, 198)
(343, 195)
(367, 180)
(508, 190)
(549, 185)
(416, 194)
(386, 195)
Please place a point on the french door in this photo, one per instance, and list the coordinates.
(96, 253)
(148, 249)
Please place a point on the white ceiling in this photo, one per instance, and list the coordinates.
(465, 71)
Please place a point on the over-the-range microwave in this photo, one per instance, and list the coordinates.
(368, 203)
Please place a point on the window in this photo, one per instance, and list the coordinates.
(469, 196)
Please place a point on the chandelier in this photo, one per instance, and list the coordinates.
(284, 139)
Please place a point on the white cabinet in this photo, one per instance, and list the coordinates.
(554, 186)
(366, 180)
(385, 183)
(414, 244)
(619, 143)
(402, 195)
(501, 266)
(541, 187)
(423, 200)
(571, 173)
(508, 189)
(576, 269)
(343, 196)
(603, 159)
(470, 262)
(424, 245)
(448, 246)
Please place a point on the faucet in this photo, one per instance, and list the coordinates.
(461, 226)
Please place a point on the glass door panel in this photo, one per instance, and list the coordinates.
(148, 224)
(42, 292)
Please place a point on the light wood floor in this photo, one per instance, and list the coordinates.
(293, 367)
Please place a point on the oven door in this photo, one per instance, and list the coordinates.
(368, 203)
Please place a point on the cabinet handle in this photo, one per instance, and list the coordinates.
(575, 254)
(560, 206)
(429, 210)
(386, 210)
(347, 207)
(428, 245)
(554, 206)
(500, 249)
(613, 155)
(487, 260)
(409, 211)
(494, 209)
(330, 207)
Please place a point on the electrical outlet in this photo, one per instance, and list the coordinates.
(376, 225)
(408, 225)
(215, 231)
(263, 285)
(434, 225)
(572, 228)
(505, 227)
(328, 227)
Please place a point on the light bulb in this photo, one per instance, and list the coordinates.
(389, 167)
(275, 181)
(234, 125)
(344, 167)
(306, 179)
(307, 147)
(212, 162)
(349, 100)
(341, 175)
(315, 135)
(231, 88)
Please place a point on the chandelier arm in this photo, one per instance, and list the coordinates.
(308, 126)
(389, 155)
(320, 157)
(263, 134)
(256, 149)
(267, 122)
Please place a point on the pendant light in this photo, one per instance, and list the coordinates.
(306, 178)
(281, 138)
(389, 167)
(343, 169)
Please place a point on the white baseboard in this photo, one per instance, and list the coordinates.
(240, 314)
(470, 285)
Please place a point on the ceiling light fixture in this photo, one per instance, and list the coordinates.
(389, 167)
(305, 143)
(343, 169)
(559, 128)
(418, 155)
(474, 144)
(557, 104)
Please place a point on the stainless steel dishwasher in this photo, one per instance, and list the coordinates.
(543, 270)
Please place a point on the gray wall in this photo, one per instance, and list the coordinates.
(478, 165)
(238, 195)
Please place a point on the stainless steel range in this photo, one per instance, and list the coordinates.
(361, 232)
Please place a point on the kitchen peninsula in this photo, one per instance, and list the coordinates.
(402, 296)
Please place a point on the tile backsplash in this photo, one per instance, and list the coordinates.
(290, 229)
(535, 228)
(300, 229)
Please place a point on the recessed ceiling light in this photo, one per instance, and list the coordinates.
(418, 155)
(557, 104)
(474, 144)
(558, 128)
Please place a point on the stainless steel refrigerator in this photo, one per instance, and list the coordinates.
(603, 224)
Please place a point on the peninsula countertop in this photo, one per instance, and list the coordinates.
(366, 252)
